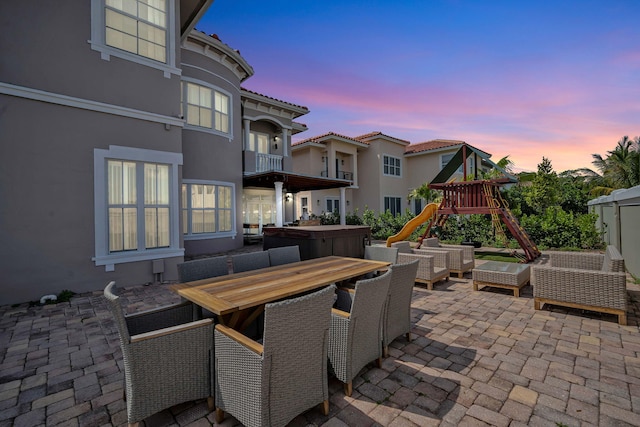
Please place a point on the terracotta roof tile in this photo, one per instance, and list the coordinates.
(275, 99)
(369, 135)
(318, 138)
(431, 145)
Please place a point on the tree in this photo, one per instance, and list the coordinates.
(426, 193)
(545, 189)
(620, 168)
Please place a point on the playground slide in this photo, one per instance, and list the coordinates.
(428, 211)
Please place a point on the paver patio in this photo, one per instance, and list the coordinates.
(477, 358)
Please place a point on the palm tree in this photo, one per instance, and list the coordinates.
(424, 192)
(621, 167)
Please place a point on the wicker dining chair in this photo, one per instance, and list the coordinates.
(203, 269)
(397, 312)
(356, 328)
(199, 269)
(284, 255)
(168, 359)
(381, 253)
(270, 383)
(250, 261)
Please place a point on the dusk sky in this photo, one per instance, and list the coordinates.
(528, 79)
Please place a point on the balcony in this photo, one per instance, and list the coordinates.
(268, 162)
(341, 175)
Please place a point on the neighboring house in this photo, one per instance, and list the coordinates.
(384, 170)
(128, 143)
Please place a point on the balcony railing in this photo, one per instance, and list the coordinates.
(341, 175)
(268, 162)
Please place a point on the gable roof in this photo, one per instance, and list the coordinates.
(322, 139)
(435, 144)
(368, 137)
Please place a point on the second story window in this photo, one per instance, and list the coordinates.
(140, 31)
(205, 107)
(137, 26)
(391, 166)
(446, 158)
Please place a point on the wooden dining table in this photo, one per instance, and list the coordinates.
(238, 299)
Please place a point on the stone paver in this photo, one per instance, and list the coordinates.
(476, 359)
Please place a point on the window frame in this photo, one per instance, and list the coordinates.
(389, 169)
(214, 89)
(397, 201)
(253, 147)
(98, 40)
(189, 235)
(102, 254)
(334, 201)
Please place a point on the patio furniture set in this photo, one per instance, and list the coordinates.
(270, 377)
(279, 320)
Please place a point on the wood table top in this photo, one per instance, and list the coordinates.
(239, 291)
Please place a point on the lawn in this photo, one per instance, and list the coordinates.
(495, 256)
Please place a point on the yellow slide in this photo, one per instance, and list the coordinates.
(428, 211)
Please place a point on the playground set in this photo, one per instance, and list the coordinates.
(478, 196)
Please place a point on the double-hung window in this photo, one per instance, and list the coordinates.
(138, 30)
(207, 209)
(206, 108)
(136, 205)
(391, 166)
(393, 204)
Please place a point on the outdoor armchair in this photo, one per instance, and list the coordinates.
(167, 357)
(397, 312)
(595, 282)
(250, 261)
(270, 383)
(356, 328)
(461, 257)
(431, 268)
(284, 255)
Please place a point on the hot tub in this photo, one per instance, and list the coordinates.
(320, 240)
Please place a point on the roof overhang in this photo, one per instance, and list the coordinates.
(190, 12)
(293, 182)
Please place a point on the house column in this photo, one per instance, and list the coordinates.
(343, 206)
(279, 210)
(247, 133)
(354, 168)
(285, 142)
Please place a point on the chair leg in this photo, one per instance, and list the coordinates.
(325, 407)
(409, 336)
(379, 362)
(348, 388)
(385, 351)
(219, 415)
(210, 403)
